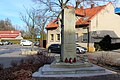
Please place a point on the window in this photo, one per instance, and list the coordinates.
(51, 37)
(85, 37)
(58, 37)
(76, 36)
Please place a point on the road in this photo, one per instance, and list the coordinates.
(12, 48)
(9, 53)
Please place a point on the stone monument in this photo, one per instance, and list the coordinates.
(68, 67)
(68, 44)
(68, 48)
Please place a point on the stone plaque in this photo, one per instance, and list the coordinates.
(68, 39)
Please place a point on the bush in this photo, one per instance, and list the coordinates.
(14, 63)
(22, 74)
(30, 60)
(43, 56)
(105, 43)
(107, 59)
(1, 66)
(97, 47)
(23, 69)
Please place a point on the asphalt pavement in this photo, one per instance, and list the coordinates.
(9, 53)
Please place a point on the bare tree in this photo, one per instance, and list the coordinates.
(56, 6)
(6, 25)
(30, 20)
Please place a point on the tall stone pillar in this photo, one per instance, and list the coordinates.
(68, 46)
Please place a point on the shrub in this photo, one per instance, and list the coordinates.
(1, 67)
(22, 74)
(14, 63)
(44, 57)
(42, 52)
(97, 47)
(105, 59)
(21, 61)
(23, 69)
(105, 43)
(29, 60)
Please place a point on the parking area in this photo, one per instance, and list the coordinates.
(13, 52)
(10, 53)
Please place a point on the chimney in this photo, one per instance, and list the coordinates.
(77, 4)
(81, 7)
(92, 5)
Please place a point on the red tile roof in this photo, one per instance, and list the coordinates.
(80, 11)
(85, 14)
(9, 34)
(89, 14)
(52, 24)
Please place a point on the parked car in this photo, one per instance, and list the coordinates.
(54, 48)
(7, 43)
(37, 44)
(25, 43)
(57, 49)
(80, 49)
(1, 43)
(10, 43)
(4, 42)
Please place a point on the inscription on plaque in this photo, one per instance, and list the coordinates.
(69, 49)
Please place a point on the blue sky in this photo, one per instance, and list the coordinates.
(11, 9)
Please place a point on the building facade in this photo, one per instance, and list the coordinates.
(92, 24)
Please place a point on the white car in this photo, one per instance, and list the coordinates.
(80, 49)
(1, 43)
(25, 43)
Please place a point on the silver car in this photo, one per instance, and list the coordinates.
(80, 49)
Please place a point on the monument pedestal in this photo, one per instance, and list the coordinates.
(56, 64)
(71, 71)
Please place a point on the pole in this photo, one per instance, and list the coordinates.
(62, 31)
(88, 40)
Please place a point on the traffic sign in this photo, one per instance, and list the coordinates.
(39, 36)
